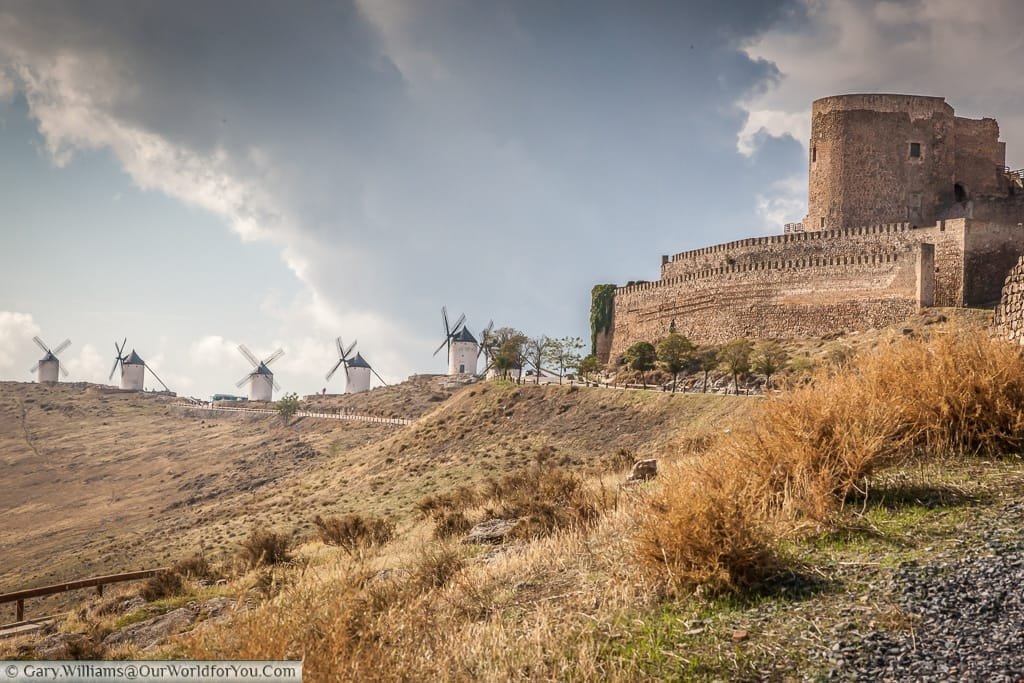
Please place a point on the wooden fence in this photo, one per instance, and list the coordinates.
(396, 421)
(97, 582)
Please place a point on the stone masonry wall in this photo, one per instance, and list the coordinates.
(775, 298)
(1009, 316)
(836, 247)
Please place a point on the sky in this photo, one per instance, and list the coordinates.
(193, 175)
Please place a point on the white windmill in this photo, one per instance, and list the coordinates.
(261, 379)
(49, 366)
(462, 346)
(133, 369)
(357, 370)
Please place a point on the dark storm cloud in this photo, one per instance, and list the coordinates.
(499, 156)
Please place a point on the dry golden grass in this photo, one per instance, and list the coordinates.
(807, 449)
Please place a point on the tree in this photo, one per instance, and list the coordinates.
(537, 351)
(641, 356)
(287, 406)
(588, 366)
(734, 357)
(706, 360)
(675, 353)
(563, 354)
(767, 359)
(504, 349)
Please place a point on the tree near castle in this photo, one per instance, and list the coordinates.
(706, 360)
(767, 359)
(564, 354)
(641, 357)
(675, 353)
(537, 350)
(506, 349)
(734, 358)
(588, 366)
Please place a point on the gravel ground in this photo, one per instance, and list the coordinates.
(965, 615)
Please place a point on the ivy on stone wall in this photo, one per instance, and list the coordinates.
(602, 302)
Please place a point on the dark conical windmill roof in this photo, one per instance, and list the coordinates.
(48, 357)
(463, 335)
(263, 370)
(358, 362)
(134, 359)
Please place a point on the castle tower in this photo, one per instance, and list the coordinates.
(877, 159)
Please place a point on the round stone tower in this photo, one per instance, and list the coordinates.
(879, 159)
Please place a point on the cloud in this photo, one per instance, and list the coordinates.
(479, 155)
(88, 365)
(785, 201)
(927, 47)
(16, 347)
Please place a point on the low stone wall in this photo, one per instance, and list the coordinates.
(1009, 316)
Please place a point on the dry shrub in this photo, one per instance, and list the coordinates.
(811, 447)
(435, 566)
(544, 499)
(700, 532)
(265, 547)
(354, 532)
(448, 524)
(196, 567)
(163, 584)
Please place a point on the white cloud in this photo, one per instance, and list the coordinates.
(970, 55)
(16, 347)
(90, 366)
(784, 202)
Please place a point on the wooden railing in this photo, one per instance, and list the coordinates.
(98, 582)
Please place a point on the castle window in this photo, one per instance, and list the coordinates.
(915, 150)
(823, 221)
(814, 154)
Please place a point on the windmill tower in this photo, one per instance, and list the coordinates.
(462, 346)
(48, 366)
(357, 370)
(133, 369)
(261, 379)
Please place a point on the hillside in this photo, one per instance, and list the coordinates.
(99, 480)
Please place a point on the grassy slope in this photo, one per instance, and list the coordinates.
(120, 481)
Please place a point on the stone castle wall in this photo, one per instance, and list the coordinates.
(1009, 315)
(811, 284)
(778, 298)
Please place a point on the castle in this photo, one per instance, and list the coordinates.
(908, 206)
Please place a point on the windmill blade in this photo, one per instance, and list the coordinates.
(41, 344)
(348, 375)
(151, 371)
(276, 385)
(378, 376)
(60, 347)
(444, 316)
(120, 351)
(249, 356)
(117, 359)
(334, 369)
(274, 356)
(348, 351)
(341, 347)
(63, 370)
(458, 324)
(240, 383)
(443, 344)
(35, 367)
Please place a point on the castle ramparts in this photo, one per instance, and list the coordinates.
(834, 277)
